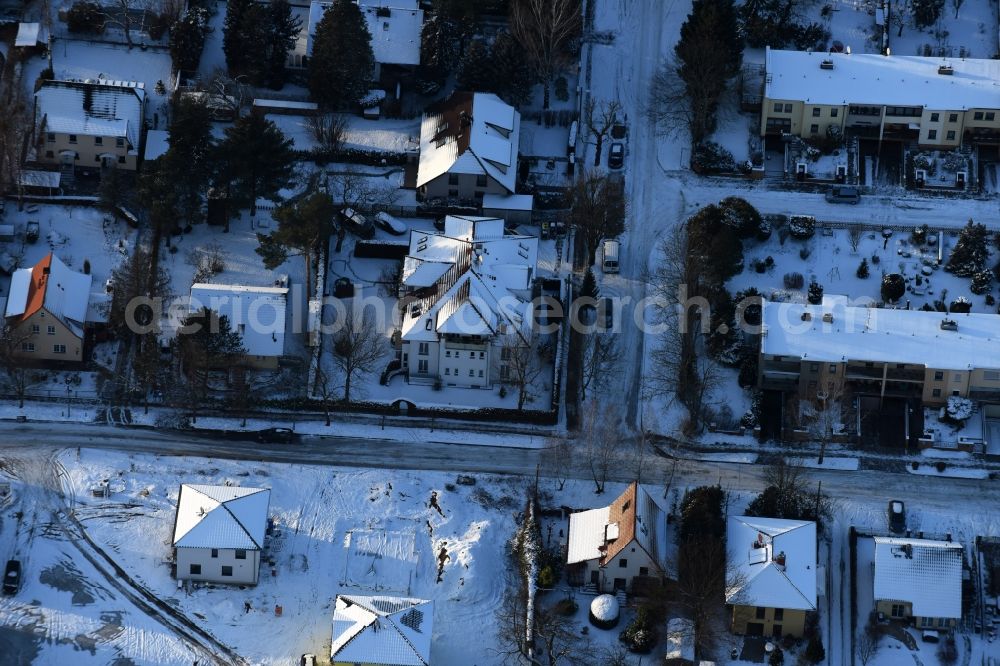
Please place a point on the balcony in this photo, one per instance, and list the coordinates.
(788, 367)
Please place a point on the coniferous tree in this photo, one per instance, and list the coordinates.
(282, 29)
(970, 252)
(255, 161)
(188, 161)
(187, 39)
(234, 36)
(342, 63)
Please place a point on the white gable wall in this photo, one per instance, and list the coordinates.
(245, 571)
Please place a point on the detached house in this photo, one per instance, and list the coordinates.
(219, 533)
(465, 296)
(613, 546)
(90, 123)
(47, 309)
(468, 148)
(381, 631)
(919, 579)
(772, 575)
(258, 314)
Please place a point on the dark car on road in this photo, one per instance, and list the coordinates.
(276, 435)
(843, 195)
(897, 517)
(12, 577)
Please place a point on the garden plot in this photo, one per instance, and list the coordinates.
(830, 258)
(388, 135)
(439, 541)
(972, 34)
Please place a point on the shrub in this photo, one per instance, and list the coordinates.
(940, 466)
(919, 235)
(547, 577)
(777, 657)
(640, 635)
(876, 260)
(85, 17)
(794, 281)
(970, 252)
(802, 226)
(981, 282)
(815, 652)
(893, 287)
(740, 215)
(914, 465)
(565, 607)
(960, 305)
(804, 252)
(947, 652)
(862, 271)
(710, 157)
(815, 295)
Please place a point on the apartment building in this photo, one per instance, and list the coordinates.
(829, 350)
(92, 123)
(466, 297)
(937, 103)
(468, 148)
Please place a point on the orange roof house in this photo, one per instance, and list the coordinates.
(51, 286)
(621, 541)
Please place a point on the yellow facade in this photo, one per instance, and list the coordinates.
(760, 621)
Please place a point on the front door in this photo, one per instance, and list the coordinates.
(777, 631)
(619, 584)
(595, 577)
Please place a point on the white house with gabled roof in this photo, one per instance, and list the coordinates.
(919, 579)
(465, 295)
(258, 314)
(90, 124)
(468, 148)
(219, 533)
(772, 574)
(381, 631)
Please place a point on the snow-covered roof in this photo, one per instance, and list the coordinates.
(880, 335)
(115, 108)
(285, 104)
(470, 133)
(896, 80)
(50, 284)
(470, 275)
(391, 631)
(256, 313)
(31, 34)
(926, 573)
(395, 27)
(156, 144)
(586, 535)
(771, 562)
(221, 517)
(37, 178)
(603, 533)
(508, 201)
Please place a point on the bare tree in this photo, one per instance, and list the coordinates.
(897, 14)
(866, 644)
(598, 209)
(358, 346)
(602, 359)
(15, 131)
(19, 379)
(522, 360)
(704, 582)
(120, 14)
(147, 367)
(355, 189)
(328, 130)
(557, 641)
(323, 389)
(230, 93)
(601, 437)
(827, 419)
(854, 236)
(546, 30)
(600, 119)
(556, 460)
(669, 107)
(957, 4)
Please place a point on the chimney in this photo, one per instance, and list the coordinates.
(779, 559)
(828, 318)
(826, 64)
(946, 70)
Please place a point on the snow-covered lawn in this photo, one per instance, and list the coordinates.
(829, 258)
(844, 464)
(950, 471)
(388, 135)
(324, 517)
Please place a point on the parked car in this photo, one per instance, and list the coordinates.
(389, 223)
(843, 195)
(307, 660)
(12, 577)
(357, 223)
(276, 435)
(897, 517)
(616, 156)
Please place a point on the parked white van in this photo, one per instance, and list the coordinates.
(609, 252)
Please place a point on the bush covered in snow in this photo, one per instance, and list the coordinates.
(802, 226)
(893, 287)
(794, 281)
(710, 157)
(971, 251)
(981, 282)
(815, 293)
(863, 271)
(960, 305)
(738, 214)
(958, 409)
(604, 611)
(640, 634)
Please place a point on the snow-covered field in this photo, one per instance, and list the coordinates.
(387, 135)
(337, 530)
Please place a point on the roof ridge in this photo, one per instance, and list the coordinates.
(239, 522)
(793, 585)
